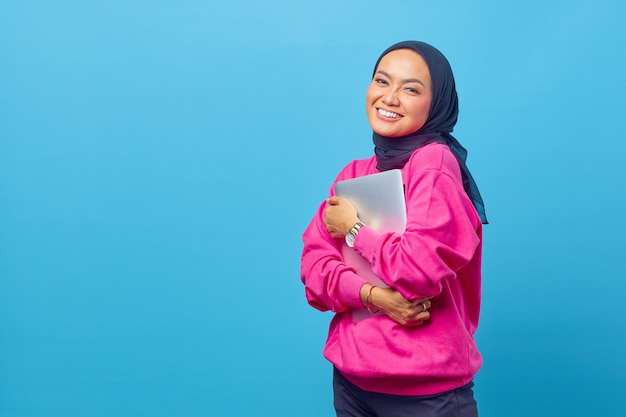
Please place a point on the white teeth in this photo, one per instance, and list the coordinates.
(388, 114)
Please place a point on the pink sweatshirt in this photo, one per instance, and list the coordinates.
(438, 255)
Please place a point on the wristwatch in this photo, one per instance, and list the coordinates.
(352, 234)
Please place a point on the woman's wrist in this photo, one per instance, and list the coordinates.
(365, 289)
(366, 298)
(349, 225)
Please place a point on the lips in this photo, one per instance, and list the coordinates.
(388, 114)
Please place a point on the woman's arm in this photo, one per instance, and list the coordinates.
(442, 232)
(330, 283)
(339, 217)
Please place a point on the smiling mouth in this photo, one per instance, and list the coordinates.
(389, 114)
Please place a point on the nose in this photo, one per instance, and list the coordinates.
(391, 98)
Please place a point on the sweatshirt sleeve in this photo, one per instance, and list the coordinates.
(442, 232)
(330, 283)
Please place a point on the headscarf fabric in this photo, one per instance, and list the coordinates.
(395, 152)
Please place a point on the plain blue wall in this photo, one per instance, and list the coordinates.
(159, 161)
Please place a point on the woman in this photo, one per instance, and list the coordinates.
(419, 357)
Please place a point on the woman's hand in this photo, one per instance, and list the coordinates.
(339, 216)
(393, 304)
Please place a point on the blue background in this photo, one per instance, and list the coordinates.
(160, 159)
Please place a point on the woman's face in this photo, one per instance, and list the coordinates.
(398, 99)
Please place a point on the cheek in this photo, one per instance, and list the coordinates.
(419, 111)
(369, 96)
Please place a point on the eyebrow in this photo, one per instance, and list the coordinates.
(407, 80)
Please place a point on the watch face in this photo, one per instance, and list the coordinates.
(350, 239)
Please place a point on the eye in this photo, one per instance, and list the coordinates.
(412, 90)
(380, 81)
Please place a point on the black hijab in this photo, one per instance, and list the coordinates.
(395, 152)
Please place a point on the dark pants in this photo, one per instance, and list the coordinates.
(351, 401)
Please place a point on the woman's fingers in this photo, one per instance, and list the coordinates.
(401, 310)
(418, 313)
(422, 304)
(424, 315)
(339, 216)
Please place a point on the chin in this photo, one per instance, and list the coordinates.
(387, 133)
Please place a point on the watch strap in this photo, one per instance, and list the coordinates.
(355, 229)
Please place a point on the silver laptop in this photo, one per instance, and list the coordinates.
(378, 199)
